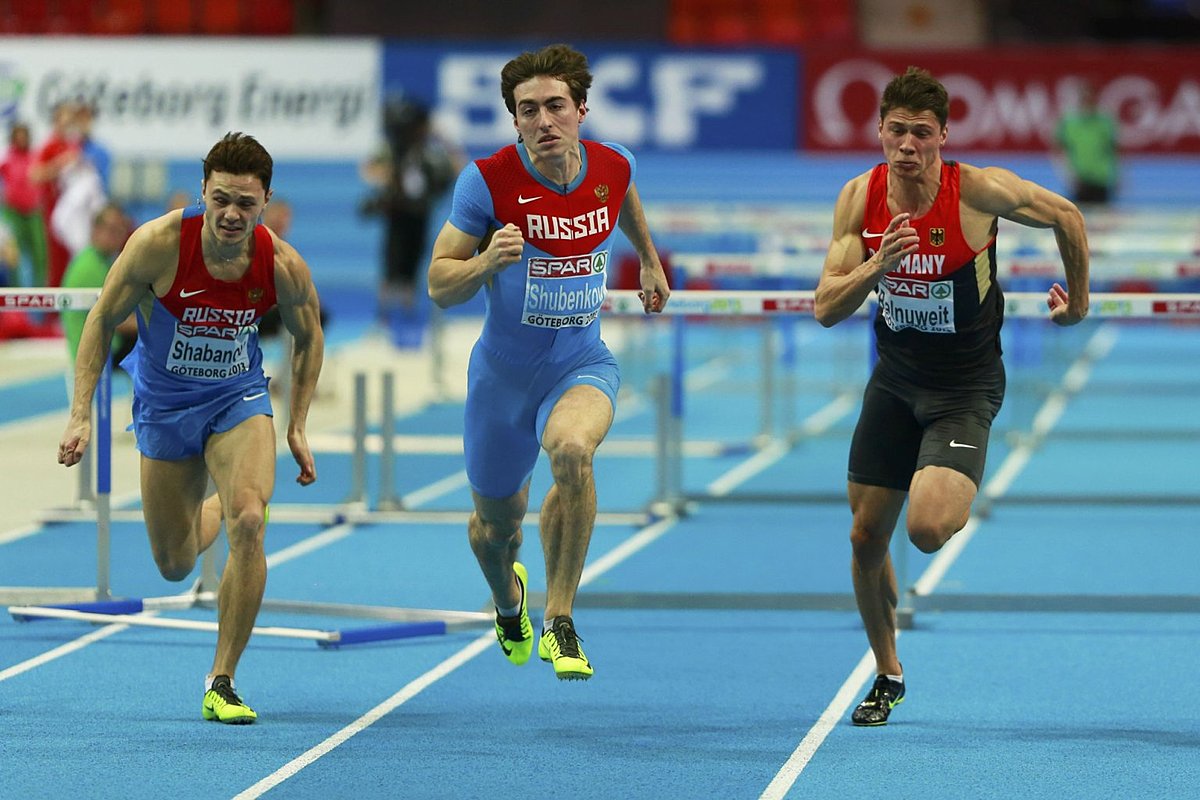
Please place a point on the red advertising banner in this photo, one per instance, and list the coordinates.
(1011, 98)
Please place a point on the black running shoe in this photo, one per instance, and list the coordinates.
(884, 696)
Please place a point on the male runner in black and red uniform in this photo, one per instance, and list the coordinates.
(921, 232)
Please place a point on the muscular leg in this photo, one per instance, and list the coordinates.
(242, 463)
(180, 524)
(876, 511)
(939, 504)
(494, 531)
(574, 430)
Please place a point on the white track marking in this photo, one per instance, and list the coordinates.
(60, 651)
(484, 642)
(1044, 420)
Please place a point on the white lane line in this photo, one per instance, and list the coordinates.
(14, 534)
(60, 651)
(782, 783)
(484, 642)
(600, 566)
(816, 424)
(1075, 378)
(451, 483)
(309, 544)
(370, 718)
(21, 533)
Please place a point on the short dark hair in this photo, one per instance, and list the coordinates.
(239, 154)
(916, 90)
(559, 61)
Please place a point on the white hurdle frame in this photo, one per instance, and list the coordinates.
(409, 622)
(97, 605)
(57, 300)
(673, 500)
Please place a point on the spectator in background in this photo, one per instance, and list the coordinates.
(10, 257)
(110, 228)
(179, 198)
(410, 175)
(60, 150)
(1088, 139)
(93, 151)
(278, 216)
(81, 197)
(22, 204)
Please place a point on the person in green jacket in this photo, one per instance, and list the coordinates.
(110, 228)
(1088, 138)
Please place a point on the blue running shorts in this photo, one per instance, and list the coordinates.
(507, 408)
(176, 434)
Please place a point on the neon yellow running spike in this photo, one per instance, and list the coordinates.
(515, 634)
(560, 646)
(221, 703)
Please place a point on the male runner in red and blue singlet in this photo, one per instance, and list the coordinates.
(533, 226)
(921, 233)
(201, 279)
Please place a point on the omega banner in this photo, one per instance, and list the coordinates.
(172, 98)
(1012, 99)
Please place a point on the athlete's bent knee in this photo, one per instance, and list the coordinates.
(570, 462)
(869, 548)
(174, 567)
(929, 538)
(246, 522)
(493, 533)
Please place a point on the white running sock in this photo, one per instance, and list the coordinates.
(515, 610)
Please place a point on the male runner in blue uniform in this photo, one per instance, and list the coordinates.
(533, 226)
(921, 232)
(201, 278)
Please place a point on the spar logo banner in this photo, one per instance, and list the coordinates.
(1012, 99)
(645, 98)
(173, 98)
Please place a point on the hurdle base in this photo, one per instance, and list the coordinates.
(47, 595)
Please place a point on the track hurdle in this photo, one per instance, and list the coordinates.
(57, 300)
(1104, 306)
(97, 604)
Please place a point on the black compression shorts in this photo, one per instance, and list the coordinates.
(904, 427)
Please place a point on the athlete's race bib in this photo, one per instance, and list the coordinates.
(926, 306)
(565, 292)
(211, 344)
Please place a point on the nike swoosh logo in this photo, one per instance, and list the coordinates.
(869, 235)
(523, 200)
(186, 293)
(960, 444)
(260, 394)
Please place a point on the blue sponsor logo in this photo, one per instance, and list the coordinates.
(647, 99)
